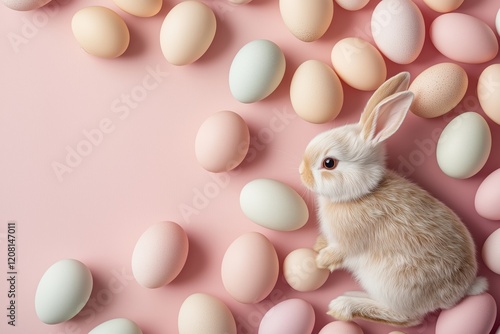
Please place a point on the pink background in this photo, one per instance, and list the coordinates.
(144, 170)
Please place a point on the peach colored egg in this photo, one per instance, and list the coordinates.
(144, 8)
(473, 315)
(488, 197)
(187, 32)
(358, 63)
(316, 92)
(222, 142)
(100, 31)
(341, 327)
(301, 272)
(438, 90)
(491, 252)
(292, 316)
(24, 5)
(352, 4)
(443, 6)
(464, 38)
(398, 29)
(250, 268)
(201, 313)
(307, 20)
(488, 92)
(160, 254)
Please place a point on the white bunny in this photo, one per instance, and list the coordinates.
(409, 251)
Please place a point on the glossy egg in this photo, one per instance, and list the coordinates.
(464, 146)
(464, 38)
(307, 20)
(398, 29)
(159, 254)
(292, 316)
(358, 63)
(488, 92)
(63, 291)
(301, 272)
(316, 92)
(473, 315)
(250, 268)
(341, 327)
(274, 205)
(488, 197)
(222, 142)
(24, 5)
(491, 252)
(438, 90)
(201, 313)
(187, 32)
(100, 32)
(443, 6)
(352, 4)
(118, 325)
(256, 71)
(144, 8)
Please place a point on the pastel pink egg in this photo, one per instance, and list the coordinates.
(491, 252)
(341, 327)
(292, 316)
(488, 197)
(464, 38)
(473, 315)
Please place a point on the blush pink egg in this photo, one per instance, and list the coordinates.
(222, 142)
(473, 315)
(491, 252)
(159, 254)
(292, 316)
(341, 327)
(464, 38)
(488, 197)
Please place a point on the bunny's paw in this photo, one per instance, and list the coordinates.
(328, 258)
(341, 308)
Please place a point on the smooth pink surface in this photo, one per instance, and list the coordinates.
(134, 120)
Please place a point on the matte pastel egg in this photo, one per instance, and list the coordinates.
(488, 92)
(352, 4)
(438, 89)
(307, 20)
(464, 146)
(256, 71)
(491, 252)
(144, 8)
(250, 268)
(473, 315)
(159, 254)
(222, 142)
(292, 316)
(358, 63)
(316, 92)
(187, 32)
(63, 291)
(100, 32)
(462, 37)
(201, 313)
(443, 6)
(488, 197)
(117, 325)
(274, 205)
(24, 5)
(341, 327)
(301, 272)
(398, 29)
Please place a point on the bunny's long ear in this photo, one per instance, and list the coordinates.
(387, 117)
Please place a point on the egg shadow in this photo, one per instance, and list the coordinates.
(194, 264)
(136, 46)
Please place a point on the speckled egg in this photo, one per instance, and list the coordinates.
(307, 20)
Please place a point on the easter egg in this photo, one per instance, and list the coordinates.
(63, 291)
(187, 32)
(341, 327)
(438, 89)
(443, 6)
(301, 272)
(256, 71)
(491, 252)
(222, 142)
(292, 316)
(144, 8)
(497, 22)
(118, 325)
(464, 146)
(250, 268)
(352, 4)
(316, 92)
(488, 197)
(398, 30)
(488, 92)
(24, 5)
(464, 38)
(358, 63)
(159, 254)
(307, 20)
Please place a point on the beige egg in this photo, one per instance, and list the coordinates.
(358, 63)
(307, 20)
(301, 272)
(352, 4)
(438, 89)
(443, 6)
(488, 92)
(100, 31)
(316, 92)
(141, 8)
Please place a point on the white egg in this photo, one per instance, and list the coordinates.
(352, 4)
(118, 325)
(24, 5)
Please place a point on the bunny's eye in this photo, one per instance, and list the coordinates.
(330, 163)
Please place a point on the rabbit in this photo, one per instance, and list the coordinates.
(410, 253)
